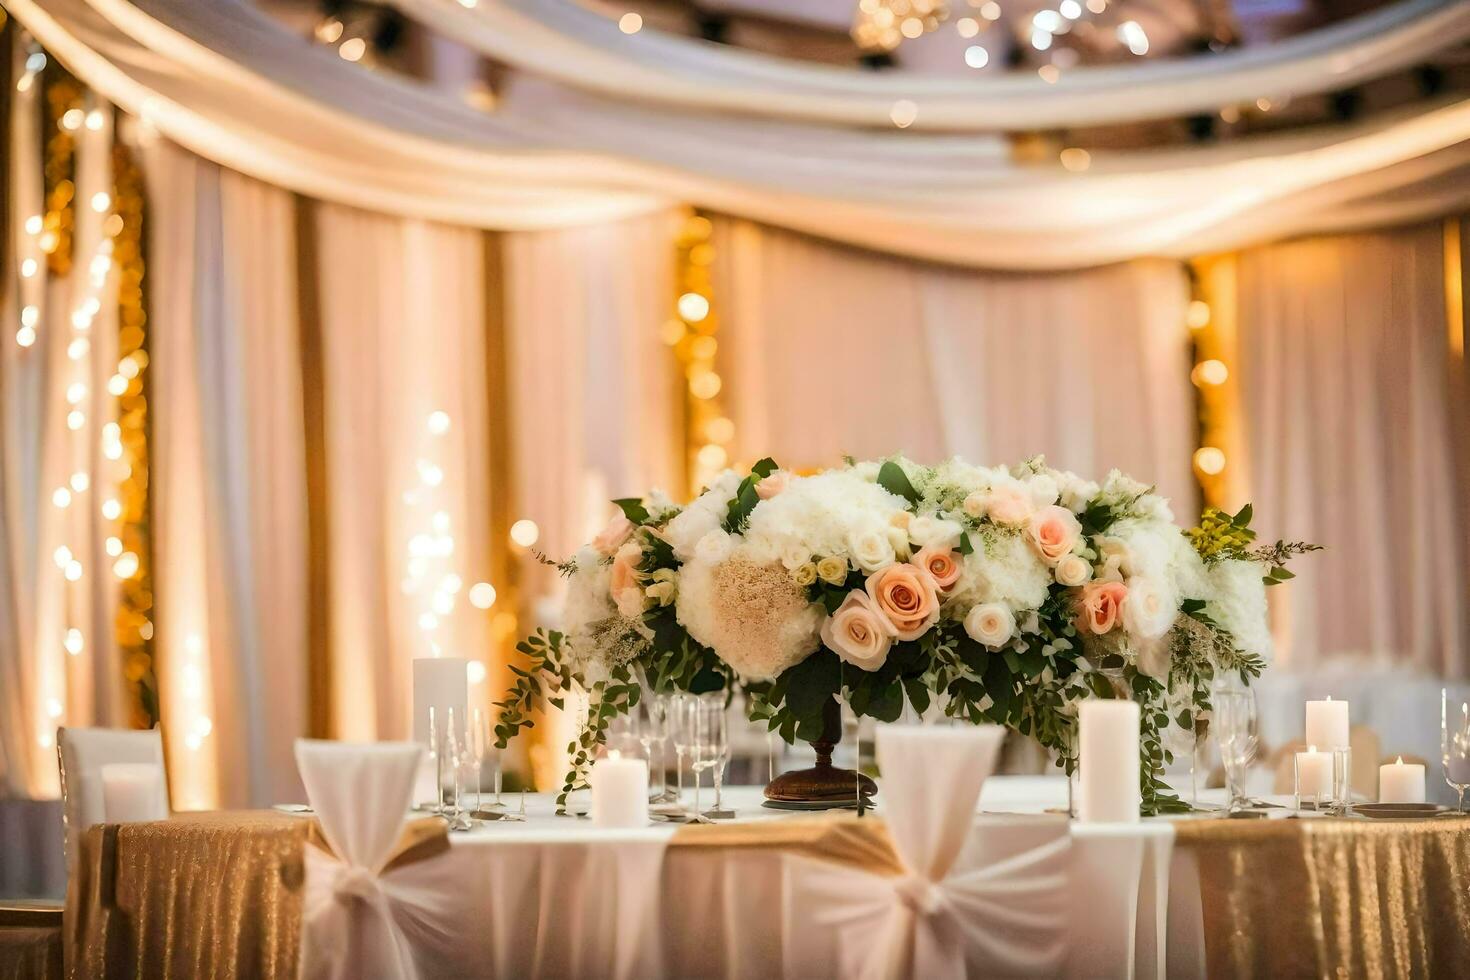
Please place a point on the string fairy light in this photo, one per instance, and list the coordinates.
(1209, 318)
(693, 333)
(431, 580)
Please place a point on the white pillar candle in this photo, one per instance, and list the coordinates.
(1327, 724)
(132, 792)
(1314, 774)
(1401, 782)
(1108, 746)
(441, 683)
(619, 792)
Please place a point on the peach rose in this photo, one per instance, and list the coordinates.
(1054, 531)
(942, 564)
(611, 538)
(857, 632)
(906, 597)
(1073, 570)
(771, 485)
(1008, 505)
(1102, 605)
(623, 584)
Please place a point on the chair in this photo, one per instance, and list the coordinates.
(986, 898)
(81, 754)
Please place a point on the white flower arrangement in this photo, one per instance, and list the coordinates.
(1007, 593)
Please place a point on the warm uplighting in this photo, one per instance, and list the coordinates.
(482, 595)
(111, 509)
(990, 10)
(25, 336)
(693, 307)
(712, 457)
(1132, 34)
(1070, 9)
(903, 113)
(475, 669)
(1049, 74)
(1210, 460)
(1197, 316)
(719, 429)
(706, 385)
(1075, 159)
(72, 119)
(976, 56)
(438, 423)
(524, 532)
(126, 565)
(967, 26)
(630, 23)
(61, 497)
(329, 31)
(73, 641)
(1210, 372)
(352, 49)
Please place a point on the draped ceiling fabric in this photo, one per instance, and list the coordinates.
(565, 41)
(223, 80)
(811, 330)
(1353, 435)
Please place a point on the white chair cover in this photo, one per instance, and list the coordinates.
(81, 753)
(988, 903)
(359, 922)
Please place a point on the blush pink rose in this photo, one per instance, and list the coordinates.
(1102, 605)
(906, 597)
(942, 564)
(857, 633)
(1054, 531)
(771, 485)
(611, 538)
(623, 585)
(1008, 505)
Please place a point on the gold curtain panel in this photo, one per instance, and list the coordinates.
(218, 895)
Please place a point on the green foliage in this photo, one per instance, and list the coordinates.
(546, 675)
(633, 509)
(738, 515)
(892, 478)
(616, 696)
(1222, 536)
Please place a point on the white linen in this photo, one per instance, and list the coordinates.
(82, 754)
(225, 81)
(564, 40)
(996, 909)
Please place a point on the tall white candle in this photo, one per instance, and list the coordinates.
(1327, 724)
(1401, 782)
(619, 792)
(440, 683)
(1108, 747)
(1314, 774)
(132, 792)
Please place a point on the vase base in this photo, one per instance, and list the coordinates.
(820, 785)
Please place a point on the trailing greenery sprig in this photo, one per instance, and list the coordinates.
(1221, 535)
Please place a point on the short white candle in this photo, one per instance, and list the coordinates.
(1401, 782)
(132, 792)
(1314, 774)
(619, 792)
(1108, 749)
(1327, 724)
(441, 683)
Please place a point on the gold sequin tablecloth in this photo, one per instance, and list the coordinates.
(219, 895)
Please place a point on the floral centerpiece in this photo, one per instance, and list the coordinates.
(1003, 595)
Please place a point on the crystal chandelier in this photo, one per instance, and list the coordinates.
(879, 26)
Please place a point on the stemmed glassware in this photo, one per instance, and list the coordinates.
(1238, 734)
(456, 757)
(682, 723)
(706, 744)
(715, 739)
(1454, 744)
(655, 732)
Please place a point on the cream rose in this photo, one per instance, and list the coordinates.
(663, 589)
(804, 575)
(1073, 570)
(1008, 505)
(857, 633)
(1101, 605)
(899, 538)
(906, 597)
(773, 484)
(832, 571)
(990, 623)
(611, 538)
(795, 556)
(714, 547)
(1148, 613)
(871, 550)
(1054, 532)
(943, 564)
(974, 505)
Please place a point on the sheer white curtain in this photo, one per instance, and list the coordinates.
(826, 350)
(1346, 379)
(594, 393)
(229, 499)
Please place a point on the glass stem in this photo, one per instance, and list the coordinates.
(696, 793)
(679, 772)
(719, 779)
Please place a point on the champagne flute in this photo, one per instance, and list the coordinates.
(655, 732)
(682, 729)
(704, 750)
(1237, 731)
(1454, 744)
(718, 744)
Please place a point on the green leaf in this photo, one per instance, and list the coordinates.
(1281, 574)
(887, 702)
(966, 545)
(1243, 517)
(740, 508)
(892, 478)
(918, 694)
(812, 683)
(764, 468)
(633, 509)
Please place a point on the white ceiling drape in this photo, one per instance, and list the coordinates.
(228, 83)
(562, 40)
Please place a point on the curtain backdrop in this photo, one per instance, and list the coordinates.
(1354, 428)
(1089, 368)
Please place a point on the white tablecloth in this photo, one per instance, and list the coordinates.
(554, 897)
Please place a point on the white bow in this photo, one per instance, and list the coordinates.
(356, 918)
(996, 909)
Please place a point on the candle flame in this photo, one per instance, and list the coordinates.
(1400, 762)
(1311, 748)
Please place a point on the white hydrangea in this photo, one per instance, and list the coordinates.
(1238, 603)
(819, 516)
(705, 514)
(1002, 568)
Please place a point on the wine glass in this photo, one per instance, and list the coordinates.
(1454, 743)
(683, 715)
(718, 743)
(705, 747)
(456, 756)
(655, 732)
(1238, 734)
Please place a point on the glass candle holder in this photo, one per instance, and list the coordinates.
(1342, 780)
